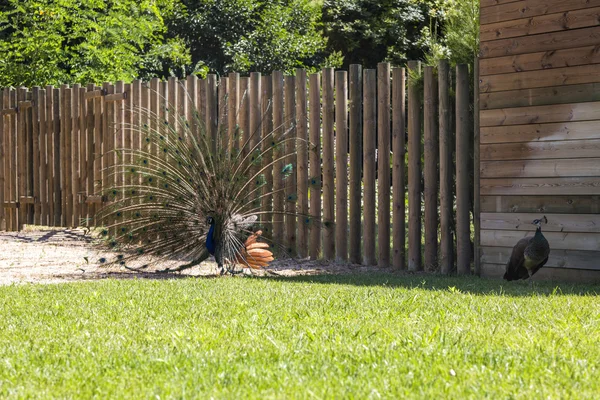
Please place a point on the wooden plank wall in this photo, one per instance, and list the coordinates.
(540, 138)
(56, 145)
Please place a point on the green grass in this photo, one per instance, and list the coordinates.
(356, 336)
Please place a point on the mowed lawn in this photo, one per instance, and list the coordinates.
(353, 336)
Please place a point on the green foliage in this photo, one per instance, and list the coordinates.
(248, 35)
(53, 42)
(370, 31)
(351, 336)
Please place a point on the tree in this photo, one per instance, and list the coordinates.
(249, 35)
(53, 42)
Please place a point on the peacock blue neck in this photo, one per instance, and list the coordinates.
(210, 239)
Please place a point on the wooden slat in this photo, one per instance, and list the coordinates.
(546, 274)
(540, 132)
(243, 117)
(541, 114)
(541, 150)
(278, 195)
(540, 60)
(537, 79)
(92, 94)
(557, 240)
(399, 168)
(369, 141)
(476, 168)
(355, 139)
(414, 173)
(541, 186)
(267, 151)
(233, 104)
(30, 156)
(191, 96)
(302, 170)
(255, 127)
(13, 136)
(531, 8)
(212, 109)
(582, 18)
(88, 179)
(43, 166)
(58, 197)
(463, 137)
(22, 156)
(35, 172)
(431, 150)
(537, 43)
(127, 129)
(577, 259)
(446, 169)
(314, 161)
(291, 192)
(383, 164)
(108, 139)
(98, 151)
(3, 171)
(223, 118)
(118, 96)
(328, 165)
(541, 168)
(556, 222)
(541, 96)
(567, 204)
(341, 166)
(490, 3)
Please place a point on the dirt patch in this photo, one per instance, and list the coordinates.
(50, 255)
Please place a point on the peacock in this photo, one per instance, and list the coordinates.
(529, 255)
(186, 195)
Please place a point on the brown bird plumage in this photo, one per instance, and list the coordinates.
(255, 254)
(529, 255)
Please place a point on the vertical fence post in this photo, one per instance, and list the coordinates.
(414, 172)
(36, 171)
(476, 171)
(50, 154)
(74, 159)
(233, 109)
(431, 164)
(446, 243)
(355, 139)
(190, 99)
(3, 142)
(21, 156)
(383, 163)
(83, 165)
(290, 152)
(370, 129)
(31, 174)
(89, 154)
(278, 195)
(267, 151)
(243, 115)
(5, 151)
(212, 110)
(341, 165)
(302, 154)
(255, 135)
(462, 170)
(315, 163)
(398, 173)
(328, 166)
(56, 127)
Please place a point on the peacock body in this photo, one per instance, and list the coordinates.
(528, 255)
(185, 195)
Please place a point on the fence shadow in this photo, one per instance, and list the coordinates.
(466, 284)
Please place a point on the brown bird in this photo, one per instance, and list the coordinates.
(529, 255)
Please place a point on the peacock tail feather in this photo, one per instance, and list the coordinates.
(162, 198)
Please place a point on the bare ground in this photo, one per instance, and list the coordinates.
(51, 255)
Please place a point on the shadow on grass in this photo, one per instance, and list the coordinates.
(469, 285)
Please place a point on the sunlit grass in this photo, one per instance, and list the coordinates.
(360, 336)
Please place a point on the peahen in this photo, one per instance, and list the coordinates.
(186, 195)
(529, 255)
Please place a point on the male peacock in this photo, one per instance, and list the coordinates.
(185, 195)
(529, 255)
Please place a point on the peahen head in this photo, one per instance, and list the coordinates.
(538, 222)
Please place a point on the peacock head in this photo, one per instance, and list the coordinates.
(539, 222)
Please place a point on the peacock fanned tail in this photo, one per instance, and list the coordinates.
(160, 197)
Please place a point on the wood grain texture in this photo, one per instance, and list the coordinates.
(341, 165)
(556, 222)
(431, 152)
(302, 170)
(291, 192)
(490, 3)
(399, 168)
(463, 137)
(541, 114)
(560, 21)
(314, 107)
(383, 164)
(531, 8)
(540, 60)
(540, 132)
(571, 204)
(570, 259)
(495, 271)
(541, 186)
(369, 126)
(414, 173)
(541, 96)
(544, 78)
(540, 168)
(446, 170)
(539, 43)
(557, 240)
(355, 139)
(572, 149)
(328, 165)
(278, 195)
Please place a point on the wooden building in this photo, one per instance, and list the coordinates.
(540, 133)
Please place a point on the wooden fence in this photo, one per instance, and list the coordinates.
(51, 140)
